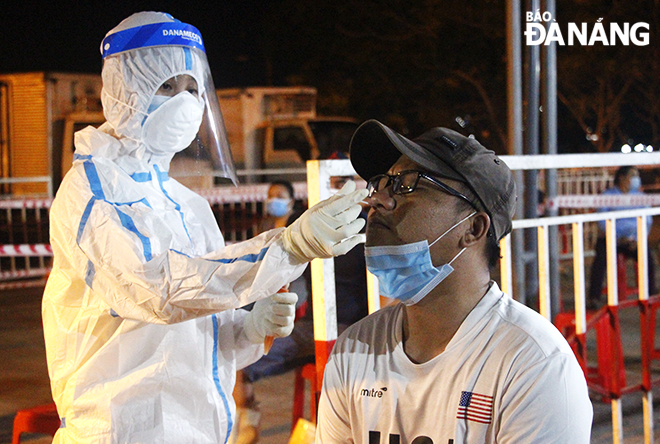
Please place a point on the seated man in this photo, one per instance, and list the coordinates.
(458, 360)
(626, 181)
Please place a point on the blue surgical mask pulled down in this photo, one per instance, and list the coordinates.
(406, 272)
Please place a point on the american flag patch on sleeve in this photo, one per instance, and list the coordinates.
(475, 407)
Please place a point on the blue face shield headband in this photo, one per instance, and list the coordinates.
(406, 272)
(155, 34)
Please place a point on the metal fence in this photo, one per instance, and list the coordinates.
(604, 367)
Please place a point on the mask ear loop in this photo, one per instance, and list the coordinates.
(456, 257)
(107, 94)
(452, 227)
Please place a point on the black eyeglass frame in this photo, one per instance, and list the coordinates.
(395, 180)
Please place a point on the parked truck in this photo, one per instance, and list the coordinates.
(271, 128)
(39, 112)
(278, 128)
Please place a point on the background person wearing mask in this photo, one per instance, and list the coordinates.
(626, 181)
(280, 207)
(142, 336)
(279, 211)
(457, 361)
(298, 349)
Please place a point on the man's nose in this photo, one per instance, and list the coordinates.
(383, 198)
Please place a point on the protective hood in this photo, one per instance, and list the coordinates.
(140, 54)
(131, 79)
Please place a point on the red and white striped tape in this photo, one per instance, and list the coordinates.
(21, 274)
(246, 193)
(220, 195)
(25, 203)
(26, 250)
(604, 200)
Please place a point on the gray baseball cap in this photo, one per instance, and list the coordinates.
(375, 148)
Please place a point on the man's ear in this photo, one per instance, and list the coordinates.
(477, 230)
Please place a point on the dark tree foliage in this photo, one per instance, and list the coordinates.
(414, 64)
(609, 92)
(411, 64)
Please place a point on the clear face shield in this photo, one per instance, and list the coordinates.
(209, 155)
(163, 62)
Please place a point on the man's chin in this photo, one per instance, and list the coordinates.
(373, 241)
(378, 238)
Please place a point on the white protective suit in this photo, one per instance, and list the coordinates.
(142, 338)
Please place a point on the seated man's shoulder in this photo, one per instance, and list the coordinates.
(521, 325)
(374, 330)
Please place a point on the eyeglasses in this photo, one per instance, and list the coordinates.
(406, 182)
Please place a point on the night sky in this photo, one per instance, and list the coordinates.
(65, 36)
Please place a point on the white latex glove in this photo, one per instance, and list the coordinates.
(272, 316)
(330, 228)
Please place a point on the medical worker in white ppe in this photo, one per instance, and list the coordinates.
(142, 337)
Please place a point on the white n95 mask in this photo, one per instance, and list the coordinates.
(173, 126)
(406, 272)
